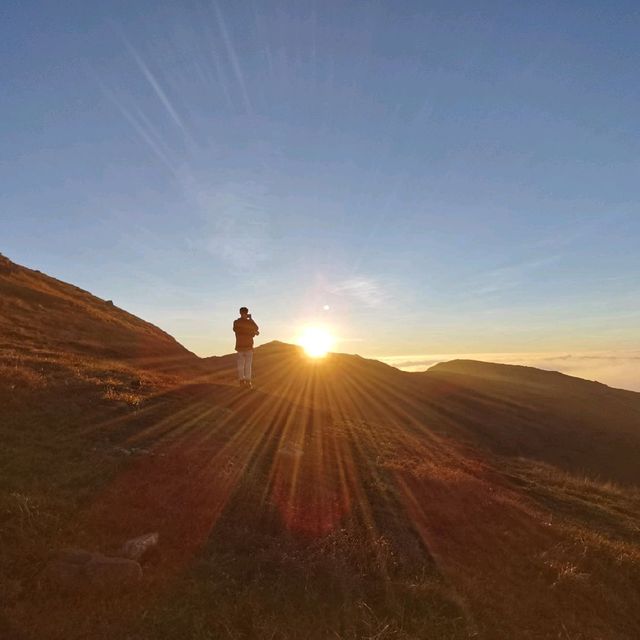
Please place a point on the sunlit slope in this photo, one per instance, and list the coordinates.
(579, 426)
(42, 316)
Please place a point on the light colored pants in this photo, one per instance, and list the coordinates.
(245, 358)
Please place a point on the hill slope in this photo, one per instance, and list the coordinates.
(47, 317)
(576, 425)
(342, 499)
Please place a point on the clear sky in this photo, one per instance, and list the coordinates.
(425, 177)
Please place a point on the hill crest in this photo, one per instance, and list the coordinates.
(39, 313)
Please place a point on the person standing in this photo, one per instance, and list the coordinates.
(245, 329)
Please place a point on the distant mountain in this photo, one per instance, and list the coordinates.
(581, 426)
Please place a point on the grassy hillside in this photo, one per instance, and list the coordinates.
(342, 499)
(580, 426)
(53, 320)
(576, 425)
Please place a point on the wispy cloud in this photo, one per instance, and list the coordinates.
(364, 290)
(142, 127)
(236, 225)
(144, 120)
(155, 85)
(615, 368)
(233, 56)
(509, 276)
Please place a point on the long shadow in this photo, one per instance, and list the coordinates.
(297, 475)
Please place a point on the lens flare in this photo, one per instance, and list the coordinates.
(316, 342)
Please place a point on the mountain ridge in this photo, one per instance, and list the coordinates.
(501, 370)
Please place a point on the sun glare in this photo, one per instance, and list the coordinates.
(316, 342)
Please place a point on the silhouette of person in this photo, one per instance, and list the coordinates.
(245, 329)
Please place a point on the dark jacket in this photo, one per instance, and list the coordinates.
(245, 329)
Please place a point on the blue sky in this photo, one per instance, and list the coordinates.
(446, 177)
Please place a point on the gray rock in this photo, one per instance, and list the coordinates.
(137, 548)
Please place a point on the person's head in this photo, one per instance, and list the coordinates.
(244, 312)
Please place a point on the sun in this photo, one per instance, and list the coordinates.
(316, 342)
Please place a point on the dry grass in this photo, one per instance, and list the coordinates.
(411, 539)
(344, 502)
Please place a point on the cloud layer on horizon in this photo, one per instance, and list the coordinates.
(614, 368)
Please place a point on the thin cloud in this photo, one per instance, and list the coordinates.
(508, 277)
(364, 290)
(233, 57)
(236, 226)
(142, 127)
(155, 85)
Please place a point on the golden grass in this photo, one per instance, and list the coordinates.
(342, 501)
(281, 520)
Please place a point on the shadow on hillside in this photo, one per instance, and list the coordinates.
(217, 470)
(308, 512)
